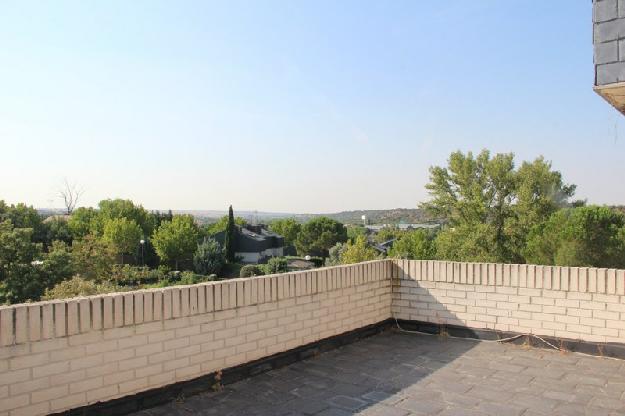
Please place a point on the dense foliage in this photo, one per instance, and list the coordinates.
(357, 251)
(319, 235)
(287, 228)
(209, 257)
(490, 207)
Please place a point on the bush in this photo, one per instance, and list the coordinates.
(209, 257)
(250, 270)
(275, 265)
(126, 275)
(77, 286)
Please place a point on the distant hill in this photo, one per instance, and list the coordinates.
(377, 216)
(374, 216)
(382, 216)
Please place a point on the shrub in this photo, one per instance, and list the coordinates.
(250, 270)
(275, 265)
(209, 257)
(126, 275)
(77, 286)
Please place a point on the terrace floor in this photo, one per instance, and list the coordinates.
(409, 374)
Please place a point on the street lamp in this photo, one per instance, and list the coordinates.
(142, 242)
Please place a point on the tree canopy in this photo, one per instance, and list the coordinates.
(490, 206)
(287, 228)
(582, 236)
(319, 235)
(358, 251)
(413, 245)
(176, 240)
(124, 234)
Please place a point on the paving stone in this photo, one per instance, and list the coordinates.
(346, 402)
(395, 374)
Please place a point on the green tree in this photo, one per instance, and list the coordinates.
(93, 258)
(354, 231)
(176, 240)
(23, 216)
(334, 254)
(57, 229)
(222, 224)
(82, 221)
(209, 257)
(388, 233)
(230, 237)
(19, 279)
(287, 228)
(486, 202)
(358, 251)
(124, 208)
(124, 234)
(319, 235)
(25, 271)
(583, 236)
(413, 245)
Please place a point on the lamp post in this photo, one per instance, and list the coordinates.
(142, 242)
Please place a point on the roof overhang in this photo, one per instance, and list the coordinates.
(614, 94)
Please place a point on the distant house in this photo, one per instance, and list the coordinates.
(254, 243)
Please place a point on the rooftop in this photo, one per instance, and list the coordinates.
(411, 374)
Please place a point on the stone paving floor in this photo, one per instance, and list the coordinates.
(399, 374)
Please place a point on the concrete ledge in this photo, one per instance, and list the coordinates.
(159, 396)
(609, 349)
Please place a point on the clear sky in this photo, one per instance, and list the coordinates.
(294, 106)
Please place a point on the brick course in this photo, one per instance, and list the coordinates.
(60, 355)
(120, 344)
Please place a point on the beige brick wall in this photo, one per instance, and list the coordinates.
(69, 353)
(567, 302)
(64, 354)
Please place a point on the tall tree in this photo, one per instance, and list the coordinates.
(124, 234)
(175, 241)
(70, 194)
(230, 237)
(488, 204)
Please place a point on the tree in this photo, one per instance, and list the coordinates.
(414, 245)
(287, 228)
(82, 222)
(124, 234)
(353, 231)
(485, 201)
(388, 233)
(25, 271)
(18, 277)
(77, 286)
(124, 208)
(230, 237)
(70, 194)
(319, 235)
(57, 229)
(582, 236)
(23, 216)
(176, 240)
(93, 258)
(222, 224)
(358, 251)
(334, 254)
(209, 257)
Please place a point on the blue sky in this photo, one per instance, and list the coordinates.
(315, 106)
